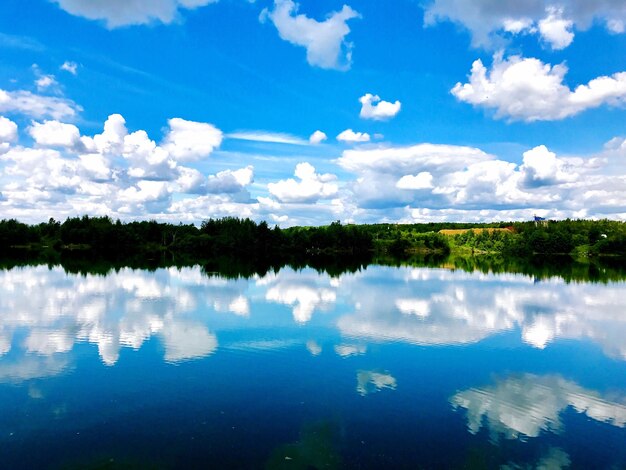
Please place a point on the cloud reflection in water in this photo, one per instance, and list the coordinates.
(45, 312)
(525, 405)
(441, 307)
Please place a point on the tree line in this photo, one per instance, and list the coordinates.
(575, 237)
(229, 236)
(232, 237)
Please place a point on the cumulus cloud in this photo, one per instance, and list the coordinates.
(116, 13)
(146, 159)
(543, 167)
(130, 175)
(317, 137)
(55, 134)
(526, 89)
(37, 106)
(325, 41)
(372, 107)
(111, 140)
(189, 140)
(422, 180)
(385, 174)
(556, 30)
(489, 22)
(350, 136)
(229, 181)
(119, 173)
(8, 133)
(311, 187)
(70, 67)
(433, 182)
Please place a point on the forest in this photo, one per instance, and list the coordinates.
(236, 238)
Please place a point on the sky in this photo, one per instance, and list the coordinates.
(402, 111)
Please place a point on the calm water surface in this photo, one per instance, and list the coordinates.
(388, 367)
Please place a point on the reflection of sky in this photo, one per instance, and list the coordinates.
(45, 312)
(122, 309)
(291, 345)
(436, 306)
(370, 381)
(554, 459)
(306, 292)
(526, 405)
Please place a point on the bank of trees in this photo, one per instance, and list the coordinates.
(583, 237)
(247, 239)
(229, 236)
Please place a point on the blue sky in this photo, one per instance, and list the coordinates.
(431, 110)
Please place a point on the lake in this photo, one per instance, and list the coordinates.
(386, 367)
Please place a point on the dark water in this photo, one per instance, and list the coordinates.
(388, 367)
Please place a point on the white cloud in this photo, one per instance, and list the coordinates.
(493, 182)
(195, 209)
(111, 141)
(122, 174)
(372, 107)
(71, 67)
(350, 136)
(490, 23)
(543, 167)
(146, 159)
(55, 134)
(116, 13)
(311, 187)
(422, 180)
(189, 140)
(526, 89)
(615, 26)
(191, 181)
(229, 181)
(384, 174)
(8, 131)
(37, 106)
(411, 159)
(518, 25)
(317, 137)
(556, 30)
(264, 136)
(325, 43)
(45, 82)
(132, 176)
